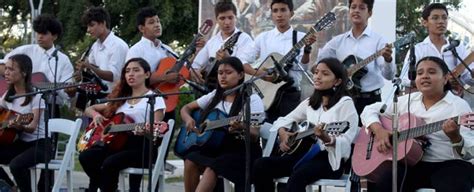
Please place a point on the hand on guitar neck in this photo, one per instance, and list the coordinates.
(283, 136)
(221, 54)
(387, 53)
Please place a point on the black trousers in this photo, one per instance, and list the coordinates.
(103, 166)
(452, 175)
(268, 168)
(20, 156)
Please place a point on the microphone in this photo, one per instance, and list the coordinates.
(196, 86)
(95, 79)
(55, 52)
(280, 69)
(412, 69)
(452, 44)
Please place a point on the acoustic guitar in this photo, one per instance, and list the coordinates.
(169, 65)
(9, 135)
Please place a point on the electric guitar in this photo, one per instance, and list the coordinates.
(368, 162)
(356, 67)
(9, 135)
(269, 88)
(211, 131)
(295, 141)
(169, 65)
(209, 72)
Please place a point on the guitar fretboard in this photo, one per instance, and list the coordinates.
(422, 130)
(125, 127)
(363, 63)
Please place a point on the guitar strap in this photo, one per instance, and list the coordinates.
(169, 51)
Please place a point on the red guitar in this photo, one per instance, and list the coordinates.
(95, 135)
(369, 163)
(169, 64)
(112, 132)
(9, 135)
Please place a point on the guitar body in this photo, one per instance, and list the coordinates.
(378, 163)
(165, 65)
(7, 135)
(354, 79)
(35, 77)
(268, 89)
(207, 140)
(94, 135)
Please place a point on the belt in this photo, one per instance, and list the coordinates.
(368, 94)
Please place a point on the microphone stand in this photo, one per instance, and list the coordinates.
(151, 101)
(246, 89)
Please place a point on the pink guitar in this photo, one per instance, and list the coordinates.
(369, 163)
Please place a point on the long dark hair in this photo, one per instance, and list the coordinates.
(25, 65)
(339, 91)
(441, 64)
(236, 64)
(122, 89)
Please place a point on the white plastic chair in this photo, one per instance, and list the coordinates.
(158, 168)
(64, 166)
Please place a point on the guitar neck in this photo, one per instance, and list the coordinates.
(221, 122)
(124, 127)
(356, 67)
(422, 130)
(460, 68)
(305, 133)
(295, 49)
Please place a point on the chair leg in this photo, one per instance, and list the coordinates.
(161, 187)
(122, 180)
(227, 185)
(309, 188)
(69, 180)
(33, 178)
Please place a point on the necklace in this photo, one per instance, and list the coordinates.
(133, 102)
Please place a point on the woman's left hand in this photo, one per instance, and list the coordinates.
(235, 127)
(451, 129)
(321, 133)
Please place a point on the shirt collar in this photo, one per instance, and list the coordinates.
(288, 33)
(367, 32)
(107, 42)
(220, 34)
(448, 98)
(47, 52)
(151, 43)
(427, 40)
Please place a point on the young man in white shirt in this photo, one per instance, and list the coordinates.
(107, 55)
(226, 17)
(48, 29)
(281, 40)
(152, 49)
(435, 20)
(362, 42)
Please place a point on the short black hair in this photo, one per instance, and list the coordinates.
(370, 4)
(441, 64)
(44, 23)
(287, 2)
(97, 14)
(223, 6)
(144, 13)
(427, 10)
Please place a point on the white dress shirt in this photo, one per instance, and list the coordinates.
(274, 41)
(35, 103)
(448, 107)
(427, 48)
(256, 103)
(343, 110)
(139, 111)
(109, 56)
(242, 49)
(153, 54)
(44, 63)
(367, 44)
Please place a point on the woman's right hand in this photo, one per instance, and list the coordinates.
(191, 126)
(382, 137)
(283, 136)
(98, 119)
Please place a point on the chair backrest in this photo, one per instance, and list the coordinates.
(270, 136)
(70, 128)
(160, 160)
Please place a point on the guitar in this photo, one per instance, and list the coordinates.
(295, 141)
(95, 135)
(86, 75)
(209, 72)
(210, 137)
(9, 135)
(161, 129)
(356, 67)
(457, 88)
(370, 163)
(269, 88)
(48, 85)
(169, 64)
(35, 77)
